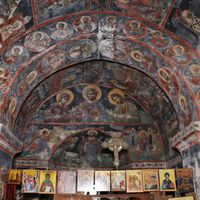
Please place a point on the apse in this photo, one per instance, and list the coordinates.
(72, 112)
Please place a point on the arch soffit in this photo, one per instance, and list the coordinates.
(165, 51)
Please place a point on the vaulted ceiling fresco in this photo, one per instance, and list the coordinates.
(96, 99)
(144, 78)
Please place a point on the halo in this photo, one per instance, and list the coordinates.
(92, 133)
(165, 72)
(131, 24)
(41, 33)
(17, 25)
(2, 72)
(17, 47)
(133, 55)
(89, 87)
(181, 97)
(65, 91)
(61, 22)
(142, 133)
(44, 132)
(195, 69)
(115, 91)
(85, 17)
(31, 76)
(111, 16)
(154, 33)
(182, 49)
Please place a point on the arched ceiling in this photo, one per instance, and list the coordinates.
(52, 46)
(96, 99)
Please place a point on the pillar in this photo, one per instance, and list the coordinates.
(9, 146)
(187, 142)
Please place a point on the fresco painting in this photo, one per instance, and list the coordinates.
(158, 39)
(141, 57)
(169, 81)
(147, 144)
(15, 56)
(86, 150)
(11, 28)
(179, 55)
(184, 21)
(11, 9)
(135, 29)
(37, 41)
(132, 53)
(193, 74)
(96, 106)
(56, 8)
(4, 77)
(50, 62)
(89, 102)
(117, 50)
(81, 71)
(81, 50)
(153, 11)
(85, 24)
(61, 30)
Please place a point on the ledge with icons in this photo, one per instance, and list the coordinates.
(92, 181)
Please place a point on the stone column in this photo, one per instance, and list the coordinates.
(188, 144)
(9, 146)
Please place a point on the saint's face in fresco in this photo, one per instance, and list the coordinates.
(92, 95)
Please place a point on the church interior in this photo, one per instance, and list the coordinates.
(99, 86)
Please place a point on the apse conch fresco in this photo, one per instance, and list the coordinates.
(82, 109)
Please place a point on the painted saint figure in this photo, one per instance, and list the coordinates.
(51, 61)
(85, 24)
(116, 49)
(81, 50)
(37, 41)
(167, 183)
(91, 109)
(109, 25)
(15, 56)
(90, 148)
(148, 61)
(124, 111)
(179, 55)
(61, 31)
(158, 39)
(135, 29)
(185, 110)
(47, 185)
(169, 81)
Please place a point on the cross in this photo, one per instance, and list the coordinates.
(115, 144)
